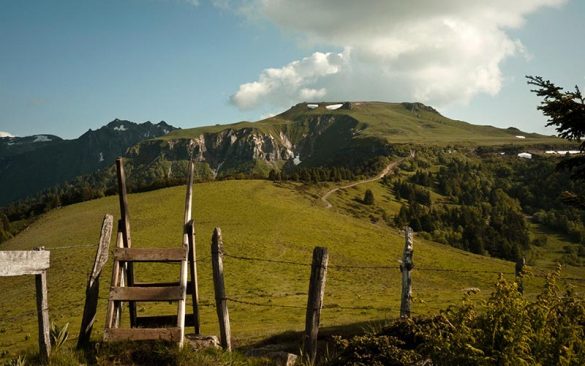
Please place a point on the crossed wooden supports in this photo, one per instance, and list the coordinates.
(125, 289)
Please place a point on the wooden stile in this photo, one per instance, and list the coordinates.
(406, 265)
(127, 238)
(219, 286)
(315, 302)
(93, 283)
(125, 289)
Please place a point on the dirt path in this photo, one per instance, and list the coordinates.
(378, 177)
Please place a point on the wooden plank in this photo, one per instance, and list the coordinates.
(150, 255)
(219, 286)
(146, 293)
(184, 264)
(162, 321)
(143, 334)
(192, 286)
(406, 266)
(93, 284)
(125, 217)
(24, 262)
(114, 308)
(164, 284)
(315, 302)
(43, 315)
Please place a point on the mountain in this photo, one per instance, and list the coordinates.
(30, 164)
(348, 134)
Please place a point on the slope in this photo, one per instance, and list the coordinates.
(258, 219)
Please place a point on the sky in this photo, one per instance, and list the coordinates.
(67, 66)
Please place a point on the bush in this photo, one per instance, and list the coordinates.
(369, 197)
(505, 329)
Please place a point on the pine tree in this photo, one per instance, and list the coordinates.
(369, 197)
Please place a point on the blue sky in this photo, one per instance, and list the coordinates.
(70, 65)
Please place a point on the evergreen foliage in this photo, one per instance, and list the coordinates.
(369, 197)
(505, 329)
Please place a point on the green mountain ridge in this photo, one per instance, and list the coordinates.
(346, 134)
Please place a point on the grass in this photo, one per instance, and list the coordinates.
(394, 122)
(258, 219)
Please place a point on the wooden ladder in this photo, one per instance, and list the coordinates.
(125, 289)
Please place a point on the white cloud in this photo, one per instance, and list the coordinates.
(292, 82)
(6, 134)
(437, 52)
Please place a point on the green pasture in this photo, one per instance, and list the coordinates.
(258, 219)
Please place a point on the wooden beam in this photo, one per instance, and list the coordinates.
(315, 302)
(43, 315)
(23, 262)
(93, 284)
(146, 293)
(150, 255)
(406, 266)
(219, 286)
(143, 334)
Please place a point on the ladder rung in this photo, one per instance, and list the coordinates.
(142, 334)
(164, 284)
(146, 293)
(163, 321)
(150, 255)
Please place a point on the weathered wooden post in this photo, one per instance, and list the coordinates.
(406, 265)
(194, 281)
(37, 262)
(93, 283)
(125, 219)
(315, 302)
(218, 284)
(519, 273)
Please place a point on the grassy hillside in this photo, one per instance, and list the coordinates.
(258, 219)
(393, 122)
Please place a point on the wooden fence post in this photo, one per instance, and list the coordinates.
(218, 284)
(315, 302)
(32, 262)
(125, 218)
(93, 283)
(519, 273)
(406, 265)
(194, 282)
(43, 313)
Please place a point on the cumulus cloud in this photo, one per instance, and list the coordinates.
(5, 134)
(437, 52)
(295, 81)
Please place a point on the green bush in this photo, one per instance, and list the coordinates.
(505, 329)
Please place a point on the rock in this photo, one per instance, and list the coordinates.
(199, 342)
(280, 358)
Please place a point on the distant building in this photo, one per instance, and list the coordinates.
(525, 155)
(520, 137)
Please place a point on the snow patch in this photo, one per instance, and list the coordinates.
(42, 138)
(101, 157)
(334, 106)
(562, 152)
(312, 106)
(120, 128)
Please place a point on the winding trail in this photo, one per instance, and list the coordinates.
(378, 177)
